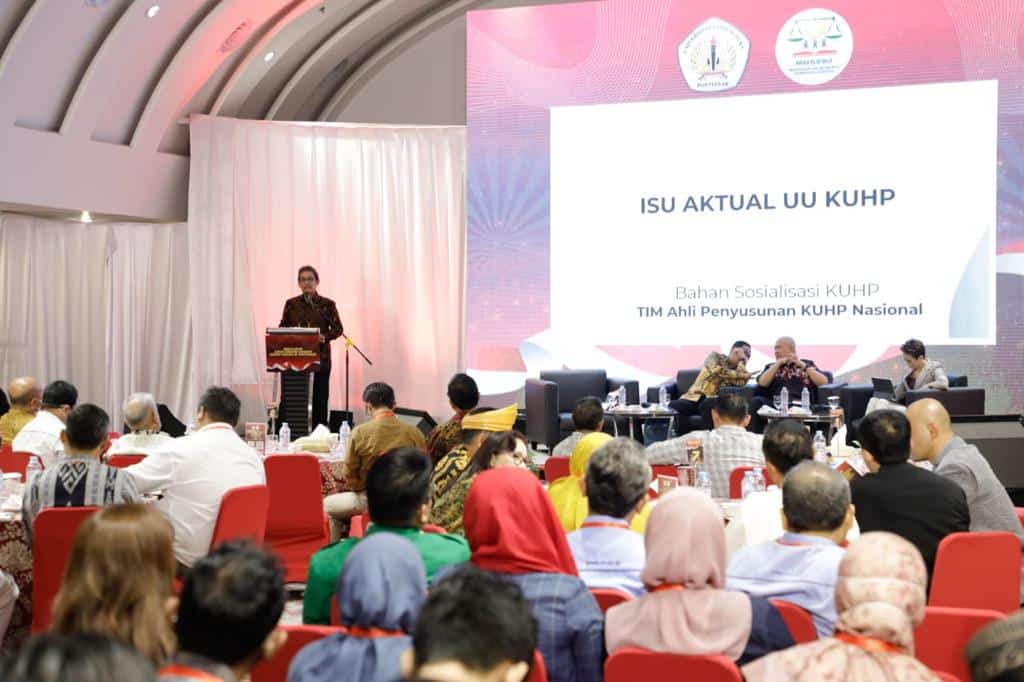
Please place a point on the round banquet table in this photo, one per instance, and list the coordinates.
(16, 559)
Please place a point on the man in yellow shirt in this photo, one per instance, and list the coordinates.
(26, 397)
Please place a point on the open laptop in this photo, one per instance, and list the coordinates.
(883, 389)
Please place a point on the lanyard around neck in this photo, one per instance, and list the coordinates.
(668, 587)
(370, 632)
(873, 644)
(621, 525)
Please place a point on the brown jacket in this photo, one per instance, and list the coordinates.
(322, 314)
(370, 440)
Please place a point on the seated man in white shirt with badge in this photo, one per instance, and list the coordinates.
(41, 436)
(608, 553)
(143, 419)
(195, 471)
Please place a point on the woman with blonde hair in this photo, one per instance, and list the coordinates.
(119, 580)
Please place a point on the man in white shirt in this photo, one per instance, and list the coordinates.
(759, 518)
(142, 417)
(41, 436)
(730, 445)
(194, 472)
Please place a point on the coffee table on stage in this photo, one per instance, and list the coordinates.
(833, 420)
(639, 414)
(293, 354)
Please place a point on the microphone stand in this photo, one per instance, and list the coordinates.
(349, 343)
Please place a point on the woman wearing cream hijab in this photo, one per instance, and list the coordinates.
(567, 495)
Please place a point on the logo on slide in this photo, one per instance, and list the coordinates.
(814, 46)
(714, 56)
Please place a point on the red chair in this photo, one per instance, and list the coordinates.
(608, 598)
(798, 621)
(664, 470)
(538, 672)
(242, 515)
(53, 531)
(13, 462)
(947, 677)
(113, 435)
(296, 525)
(1020, 514)
(940, 639)
(629, 665)
(736, 481)
(124, 461)
(956, 581)
(275, 669)
(357, 525)
(555, 468)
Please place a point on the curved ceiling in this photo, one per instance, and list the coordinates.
(94, 93)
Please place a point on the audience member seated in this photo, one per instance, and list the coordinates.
(567, 494)
(719, 370)
(380, 594)
(759, 519)
(932, 439)
(787, 371)
(79, 479)
(996, 652)
(8, 597)
(899, 497)
(227, 619)
(800, 567)
(587, 417)
(119, 581)
(728, 446)
(880, 599)
(196, 470)
(80, 658)
(924, 374)
(398, 493)
(505, 449)
(608, 553)
(41, 436)
(25, 401)
(475, 627)
(513, 531)
(475, 428)
(686, 610)
(143, 420)
(383, 432)
(463, 396)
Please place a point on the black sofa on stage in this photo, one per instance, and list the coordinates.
(551, 399)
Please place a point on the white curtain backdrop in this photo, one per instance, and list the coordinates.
(104, 306)
(379, 211)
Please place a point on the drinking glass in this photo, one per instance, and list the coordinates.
(833, 401)
(777, 401)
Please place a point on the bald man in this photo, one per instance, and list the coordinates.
(932, 439)
(26, 397)
(789, 371)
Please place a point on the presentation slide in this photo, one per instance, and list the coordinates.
(823, 217)
(651, 180)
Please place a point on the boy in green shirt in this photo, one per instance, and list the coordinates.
(398, 498)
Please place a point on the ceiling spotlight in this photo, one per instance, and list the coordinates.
(269, 57)
(153, 11)
(85, 217)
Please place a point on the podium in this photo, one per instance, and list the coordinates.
(293, 355)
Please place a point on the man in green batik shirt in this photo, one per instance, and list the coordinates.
(398, 497)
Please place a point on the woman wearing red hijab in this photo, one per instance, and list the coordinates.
(513, 530)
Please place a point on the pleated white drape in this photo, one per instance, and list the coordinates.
(379, 211)
(105, 306)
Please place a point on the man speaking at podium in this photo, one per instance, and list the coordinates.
(310, 309)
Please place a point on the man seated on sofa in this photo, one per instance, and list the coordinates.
(718, 370)
(789, 371)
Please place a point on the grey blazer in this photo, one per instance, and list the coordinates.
(932, 376)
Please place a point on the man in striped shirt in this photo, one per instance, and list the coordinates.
(726, 447)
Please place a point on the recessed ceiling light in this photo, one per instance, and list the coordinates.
(153, 11)
(269, 57)
(85, 217)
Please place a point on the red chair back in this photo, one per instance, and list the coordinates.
(242, 515)
(53, 531)
(11, 462)
(275, 669)
(113, 435)
(295, 520)
(940, 639)
(608, 598)
(1020, 514)
(947, 677)
(538, 671)
(798, 621)
(125, 460)
(736, 480)
(956, 581)
(629, 665)
(664, 470)
(555, 468)
(357, 525)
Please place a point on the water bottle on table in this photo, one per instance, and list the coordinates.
(344, 433)
(805, 399)
(784, 401)
(820, 453)
(704, 482)
(284, 436)
(34, 467)
(757, 476)
(622, 396)
(662, 397)
(747, 485)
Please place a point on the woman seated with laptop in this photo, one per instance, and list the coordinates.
(924, 374)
